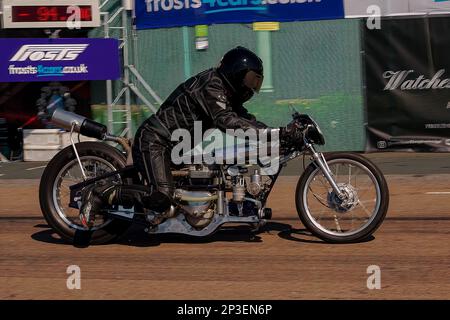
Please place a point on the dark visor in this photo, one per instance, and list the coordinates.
(253, 81)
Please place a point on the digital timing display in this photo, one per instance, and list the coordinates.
(48, 13)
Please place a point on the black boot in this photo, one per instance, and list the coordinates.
(157, 201)
(96, 197)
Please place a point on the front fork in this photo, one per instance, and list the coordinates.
(323, 165)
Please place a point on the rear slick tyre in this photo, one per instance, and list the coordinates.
(50, 202)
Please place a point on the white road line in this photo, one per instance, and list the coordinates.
(438, 192)
(35, 168)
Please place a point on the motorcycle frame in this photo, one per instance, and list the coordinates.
(178, 224)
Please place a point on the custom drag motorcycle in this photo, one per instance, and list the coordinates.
(340, 197)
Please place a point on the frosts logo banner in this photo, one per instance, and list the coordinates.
(175, 13)
(23, 60)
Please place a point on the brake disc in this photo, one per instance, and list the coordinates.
(345, 204)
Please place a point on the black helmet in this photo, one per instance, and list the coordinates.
(243, 70)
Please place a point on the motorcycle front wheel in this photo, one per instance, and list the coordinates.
(353, 218)
(54, 194)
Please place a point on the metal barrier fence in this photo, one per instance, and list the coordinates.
(315, 68)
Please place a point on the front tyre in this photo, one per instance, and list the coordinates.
(353, 218)
(54, 194)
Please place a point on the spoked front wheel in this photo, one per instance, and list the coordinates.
(353, 216)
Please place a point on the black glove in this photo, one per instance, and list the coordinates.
(290, 135)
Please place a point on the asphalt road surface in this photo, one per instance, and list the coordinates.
(283, 261)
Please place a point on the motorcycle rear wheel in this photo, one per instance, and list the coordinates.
(97, 158)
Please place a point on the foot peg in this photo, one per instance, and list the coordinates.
(266, 214)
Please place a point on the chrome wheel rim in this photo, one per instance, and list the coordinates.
(71, 174)
(363, 195)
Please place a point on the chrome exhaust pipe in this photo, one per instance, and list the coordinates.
(80, 124)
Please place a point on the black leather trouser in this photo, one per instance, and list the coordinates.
(151, 157)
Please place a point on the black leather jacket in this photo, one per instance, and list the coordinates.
(205, 97)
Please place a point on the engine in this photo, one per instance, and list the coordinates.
(200, 210)
(199, 205)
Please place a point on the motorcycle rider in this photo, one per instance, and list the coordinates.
(216, 98)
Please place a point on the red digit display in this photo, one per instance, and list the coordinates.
(48, 13)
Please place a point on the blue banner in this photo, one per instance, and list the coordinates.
(43, 59)
(175, 13)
